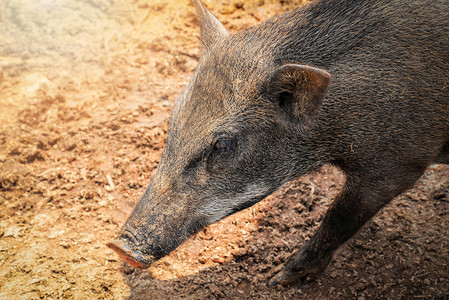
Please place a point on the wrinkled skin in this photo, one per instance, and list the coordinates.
(258, 112)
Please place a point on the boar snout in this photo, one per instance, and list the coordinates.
(160, 222)
(126, 248)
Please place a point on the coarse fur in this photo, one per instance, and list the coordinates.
(362, 85)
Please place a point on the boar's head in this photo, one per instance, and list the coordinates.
(240, 130)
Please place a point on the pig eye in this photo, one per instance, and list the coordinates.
(224, 144)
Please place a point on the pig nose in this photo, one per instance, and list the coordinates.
(132, 256)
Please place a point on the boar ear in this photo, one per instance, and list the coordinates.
(298, 91)
(212, 30)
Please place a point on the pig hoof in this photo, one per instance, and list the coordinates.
(283, 278)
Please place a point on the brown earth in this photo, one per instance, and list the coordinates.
(86, 90)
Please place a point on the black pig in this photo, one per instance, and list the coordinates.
(362, 85)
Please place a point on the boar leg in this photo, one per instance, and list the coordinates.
(360, 198)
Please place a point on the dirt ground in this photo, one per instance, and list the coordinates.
(86, 91)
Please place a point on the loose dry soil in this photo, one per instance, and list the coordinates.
(86, 90)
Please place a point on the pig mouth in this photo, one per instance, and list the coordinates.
(129, 253)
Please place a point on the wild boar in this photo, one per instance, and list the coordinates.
(361, 85)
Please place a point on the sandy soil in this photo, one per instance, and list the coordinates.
(86, 90)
